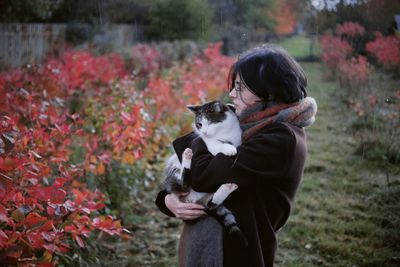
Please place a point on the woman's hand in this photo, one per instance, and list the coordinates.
(182, 210)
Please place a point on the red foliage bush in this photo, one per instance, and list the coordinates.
(41, 199)
(45, 203)
(335, 51)
(354, 72)
(145, 59)
(350, 29)
(386, 49)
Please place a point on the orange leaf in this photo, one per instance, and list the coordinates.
(100, 168)
(128, 158)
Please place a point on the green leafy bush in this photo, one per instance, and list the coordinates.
(179, 19)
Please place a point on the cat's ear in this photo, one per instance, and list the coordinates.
(231, 107)
(218, 107)
(193, 108)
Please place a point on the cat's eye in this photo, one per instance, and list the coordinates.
(198, 124)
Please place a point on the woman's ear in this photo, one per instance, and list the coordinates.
(193, 108)
(231, 107)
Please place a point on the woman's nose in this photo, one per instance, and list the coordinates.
(232, 93)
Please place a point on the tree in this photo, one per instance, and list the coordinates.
(179, 19)
(28, 10)
(244, 13)
(286, 15)
(374, 15)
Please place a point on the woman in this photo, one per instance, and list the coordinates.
(268, 89)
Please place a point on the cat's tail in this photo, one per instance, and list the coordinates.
(228, 220)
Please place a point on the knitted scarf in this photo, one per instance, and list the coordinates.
(256, 116)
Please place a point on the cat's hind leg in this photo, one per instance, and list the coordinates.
(222, 193)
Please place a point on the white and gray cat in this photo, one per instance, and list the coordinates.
(219, 128)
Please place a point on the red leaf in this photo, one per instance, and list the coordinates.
(64, 247)
(47, 226)
(45, 264)
(3, 239)
(50, 210)
(64, 129)
(50, 247)
(59, 182)
(54, 195)
(128, 118)
(79, 241)
(9, 164)
(35, 239)
(33, 219)
(14, 251)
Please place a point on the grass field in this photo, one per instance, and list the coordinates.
(301, 47)
(347, 209)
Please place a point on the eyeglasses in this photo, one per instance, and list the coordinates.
(239, 86)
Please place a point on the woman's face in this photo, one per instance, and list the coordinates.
(241, 96)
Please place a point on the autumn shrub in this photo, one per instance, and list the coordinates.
(355, 34)
(45, 207)
(377, 127)
(354, 73)
(376, 123)
(350, 29)
(386, 50)
(335, 51)
(79, 139)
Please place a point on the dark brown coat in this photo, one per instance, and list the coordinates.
(268, 169)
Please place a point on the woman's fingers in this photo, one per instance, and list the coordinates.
(191, 206)
(182, 210)
(190, 211)
(190, 216)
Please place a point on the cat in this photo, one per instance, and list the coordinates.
(219, 128)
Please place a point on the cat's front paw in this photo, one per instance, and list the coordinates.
(187, 154)
(228, 150)
(187, 158)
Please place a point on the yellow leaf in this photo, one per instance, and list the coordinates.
(93, 159)
(47, 257)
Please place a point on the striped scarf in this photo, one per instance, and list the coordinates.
(256, 117)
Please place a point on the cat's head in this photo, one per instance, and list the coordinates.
(212, 117)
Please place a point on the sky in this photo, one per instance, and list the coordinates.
(331, 4)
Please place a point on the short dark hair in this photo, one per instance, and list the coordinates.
(271, 74)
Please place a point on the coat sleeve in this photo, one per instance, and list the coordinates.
(160, 203)
(263, 156)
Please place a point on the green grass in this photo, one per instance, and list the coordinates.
(301, 47)
(345, 212)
